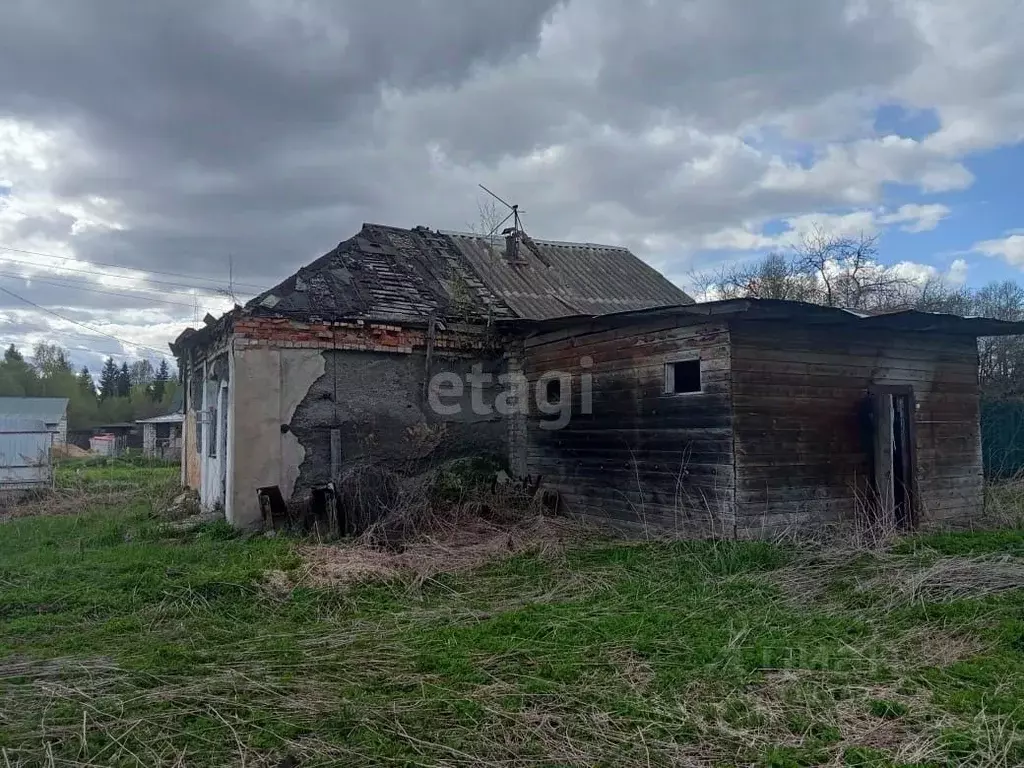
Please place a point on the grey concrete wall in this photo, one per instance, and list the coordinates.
(379, 402)
(286, 401)
(268, 385)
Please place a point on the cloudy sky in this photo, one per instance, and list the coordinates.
(156, 156)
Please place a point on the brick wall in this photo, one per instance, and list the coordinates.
(355, 335)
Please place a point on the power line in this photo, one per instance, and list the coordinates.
(216, 284)
(121, 266)
(118, 339)
(80, 286)
(7, 204)
(208, 288)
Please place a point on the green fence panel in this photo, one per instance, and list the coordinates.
(1002, 438)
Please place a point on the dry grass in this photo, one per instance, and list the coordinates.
(451, 518)
(902, 580)
(453, 548)
(946, 579)
(83, 488)
(493, 635)
(937, 647)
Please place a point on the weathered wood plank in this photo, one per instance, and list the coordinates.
(800, 425)
(878, 374)
(643, 347)
(808, 338)
(648, 365)
(663, 327)
(640, 447)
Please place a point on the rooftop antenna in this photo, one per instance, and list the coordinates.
(512, 234)
(230, 292)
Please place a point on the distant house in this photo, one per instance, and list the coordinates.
(52, 411)
(161, 436)
(114, 439)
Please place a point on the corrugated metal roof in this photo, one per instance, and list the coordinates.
(49, 409)
(10, 424)
(170, 418)
(557, 279)
(389, 273)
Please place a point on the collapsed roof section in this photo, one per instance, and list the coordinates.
(391, 274)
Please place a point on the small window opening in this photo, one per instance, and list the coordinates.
(212, 426)
(553, 392)
(682, 376)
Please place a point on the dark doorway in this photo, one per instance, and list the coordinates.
(895, 464)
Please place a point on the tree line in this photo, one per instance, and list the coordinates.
(122, 393)
(844, 272)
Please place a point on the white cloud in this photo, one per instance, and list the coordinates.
(1009, 248)
(957, 273)
(968, 73)
(916, 218)
(866, 222)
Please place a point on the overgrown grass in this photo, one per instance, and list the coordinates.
(126, 642)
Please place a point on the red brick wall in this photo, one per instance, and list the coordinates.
(370, 337)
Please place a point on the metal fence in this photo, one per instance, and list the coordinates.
(25, 460)
(1002, 438)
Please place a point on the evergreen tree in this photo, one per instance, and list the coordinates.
(124, 381)
(109, 376)
(85, 382)
(163, 375)
(18, 378)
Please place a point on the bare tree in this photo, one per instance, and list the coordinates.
(849, 274)
(823, 269)
(489, 219)
(775, 276)
(1001, 358)
(820, 254)
(845, 272)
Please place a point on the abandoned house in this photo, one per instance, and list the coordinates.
(339, 364)
(585, 369)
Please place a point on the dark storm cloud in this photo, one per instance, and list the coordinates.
(722, 63)
(217, 124)
(265, 131)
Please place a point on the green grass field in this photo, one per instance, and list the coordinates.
(126, 642)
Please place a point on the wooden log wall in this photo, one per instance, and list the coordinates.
(643, 459)
(801, 455)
